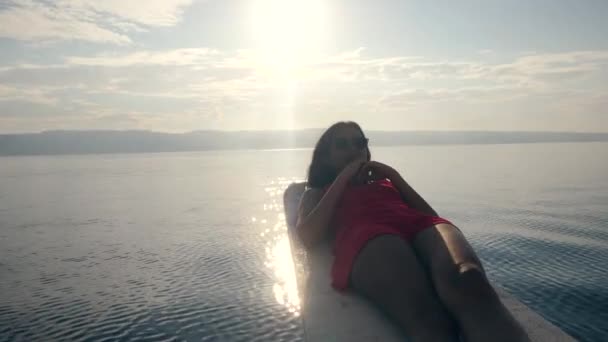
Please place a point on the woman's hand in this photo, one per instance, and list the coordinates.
(351, 170)
(373, 171)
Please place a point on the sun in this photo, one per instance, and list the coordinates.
(288, 33)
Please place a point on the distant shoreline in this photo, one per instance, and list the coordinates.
(129, 142)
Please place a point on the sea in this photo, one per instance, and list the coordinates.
(192, 246)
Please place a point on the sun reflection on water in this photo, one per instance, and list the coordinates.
(278, 247)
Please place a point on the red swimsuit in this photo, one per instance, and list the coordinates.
(366, 211)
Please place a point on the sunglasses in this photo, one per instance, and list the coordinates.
(358, 143)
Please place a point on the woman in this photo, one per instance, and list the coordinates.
(393, 248)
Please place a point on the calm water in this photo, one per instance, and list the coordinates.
(191, 246)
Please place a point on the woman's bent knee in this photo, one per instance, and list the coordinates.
(389, 274)
(466, 284)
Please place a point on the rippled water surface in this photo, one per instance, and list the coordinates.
(192, 246)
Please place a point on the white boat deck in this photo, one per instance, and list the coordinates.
(328, 315)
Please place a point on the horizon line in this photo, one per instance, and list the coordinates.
(288, 130)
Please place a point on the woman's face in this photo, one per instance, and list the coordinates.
(347, 145)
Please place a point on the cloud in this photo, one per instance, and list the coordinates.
(86, 20)
(199, 69)
(39, 95)
(466, 95)
(207, 86)
(148, 13)
(31, 21)
(549, 68)
(530, 69)
(177, 57)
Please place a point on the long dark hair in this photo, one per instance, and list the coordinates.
(320, 173)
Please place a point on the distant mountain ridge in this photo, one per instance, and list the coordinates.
(134, 141)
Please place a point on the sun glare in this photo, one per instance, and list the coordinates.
(278, 248)
(288, 33)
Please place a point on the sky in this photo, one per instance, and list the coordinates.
(185, 65)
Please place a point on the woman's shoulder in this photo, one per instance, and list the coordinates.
(311, 196)
(313, 192)
(297, 191)
(295, 188)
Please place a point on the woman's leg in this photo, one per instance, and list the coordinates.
(462, 286)
(388, 273)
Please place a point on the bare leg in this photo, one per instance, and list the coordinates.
(388, 273)
(462, 285)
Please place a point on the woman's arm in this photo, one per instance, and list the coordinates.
(316, 208)
(410, 196)
(291, 200)
(315, 212)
